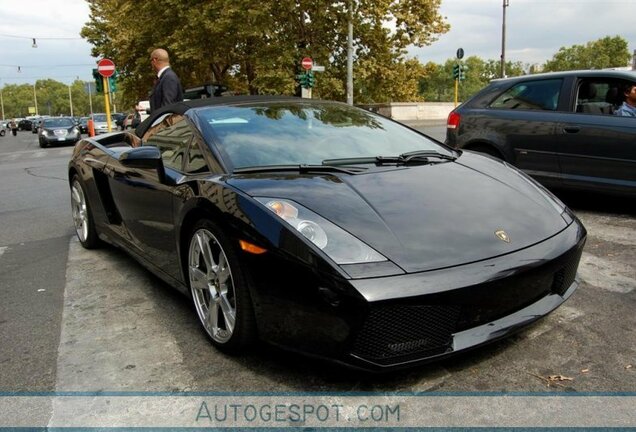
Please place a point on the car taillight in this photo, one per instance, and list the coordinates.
(453, 120)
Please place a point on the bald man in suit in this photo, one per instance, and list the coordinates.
(167, 88)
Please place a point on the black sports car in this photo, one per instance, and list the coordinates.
(327, 229)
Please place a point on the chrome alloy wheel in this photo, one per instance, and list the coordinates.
(212, 285)
(80, 211)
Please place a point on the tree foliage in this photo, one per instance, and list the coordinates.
(438, 85)
(52, 99)
(606, 52)
(256, 47)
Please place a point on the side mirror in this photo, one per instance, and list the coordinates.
(147, 157)
(141, 157)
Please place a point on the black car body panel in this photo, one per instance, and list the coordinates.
(448, 282)
(571, 141)
(367, 210)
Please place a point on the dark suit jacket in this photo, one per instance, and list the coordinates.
(166, 91)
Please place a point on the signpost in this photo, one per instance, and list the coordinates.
(106, 68)
(307, 63)
(457, 70)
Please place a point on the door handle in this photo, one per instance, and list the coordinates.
(571, 129)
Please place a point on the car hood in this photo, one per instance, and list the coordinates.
(425, 217)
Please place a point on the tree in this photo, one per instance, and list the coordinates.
(52, 99)
(606, 52)
(256, 47)
(438, 84)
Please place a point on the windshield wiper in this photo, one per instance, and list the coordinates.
(414, 157)
(301, 168)
(426, 154)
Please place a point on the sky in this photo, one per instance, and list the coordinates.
(536, 29)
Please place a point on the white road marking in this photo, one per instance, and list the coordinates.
(39, 154)
(3, 249)
(606, 274)
(10, 157)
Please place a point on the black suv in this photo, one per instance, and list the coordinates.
(558, 127)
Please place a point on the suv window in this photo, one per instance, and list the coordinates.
(598, 96)
(530, 95)
(172, 136)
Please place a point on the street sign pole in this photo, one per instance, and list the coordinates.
(460, 55)
(456, 90)
(90, 98)
(107, 102)
(307, 63)
(106, 69)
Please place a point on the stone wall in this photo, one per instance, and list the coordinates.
(413, 110)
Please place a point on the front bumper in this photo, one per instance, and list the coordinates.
(391, 322)
(66, 139)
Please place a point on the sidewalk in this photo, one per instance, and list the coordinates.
(423, 123)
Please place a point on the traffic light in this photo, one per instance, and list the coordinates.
(306, 80)
(302, 80)
(462, 72)
(456, 71)
(311, 79)
(99, 84)
(112, 83)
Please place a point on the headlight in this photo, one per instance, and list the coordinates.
(45, 132)
(338, 244)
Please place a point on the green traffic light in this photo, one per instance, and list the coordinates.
(99, 83)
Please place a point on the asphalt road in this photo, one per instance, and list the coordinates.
(78, 320)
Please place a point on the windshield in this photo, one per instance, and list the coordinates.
(305, 133)
(58, 122)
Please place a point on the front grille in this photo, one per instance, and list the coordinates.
(401, 332)
(394, 333)
(564, 277)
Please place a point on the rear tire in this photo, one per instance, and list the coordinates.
(219, 289)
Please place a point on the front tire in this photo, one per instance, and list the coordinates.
(82, 216)
(219, 289)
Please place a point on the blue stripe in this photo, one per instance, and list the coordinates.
(331, 429)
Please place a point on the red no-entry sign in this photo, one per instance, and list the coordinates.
(106, 67)
(307, 63)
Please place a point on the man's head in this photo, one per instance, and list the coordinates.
(159, 59)
(629, 91)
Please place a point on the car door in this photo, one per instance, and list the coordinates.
(524, 116)
(145, 196)
(597, 149)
